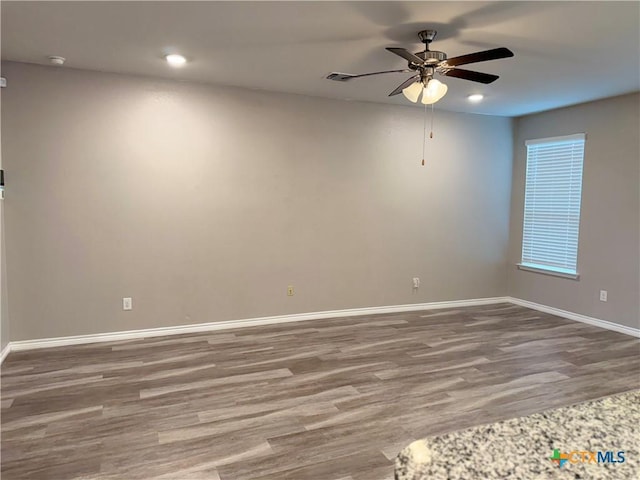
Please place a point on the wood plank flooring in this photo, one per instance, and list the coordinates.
(326, 400)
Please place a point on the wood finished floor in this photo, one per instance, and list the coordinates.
(321, 400)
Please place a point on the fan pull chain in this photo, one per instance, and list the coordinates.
(431, 133)
(424, 129)
(424, 132)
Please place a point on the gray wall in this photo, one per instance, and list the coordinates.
(609, 243)
(204, 203)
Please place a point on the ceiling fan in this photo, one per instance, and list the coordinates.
(425, 64)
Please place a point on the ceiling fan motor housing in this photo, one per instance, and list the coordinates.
(432, 56)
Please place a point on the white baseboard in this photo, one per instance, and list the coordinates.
(251, 322)
(5, 352)
(248, 322)
(635, 332)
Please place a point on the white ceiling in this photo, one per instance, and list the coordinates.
(565, 52)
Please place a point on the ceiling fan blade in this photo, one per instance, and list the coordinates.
(470, 75)
(343, 77)
(405, 84)
(406, 54)
(484, 56)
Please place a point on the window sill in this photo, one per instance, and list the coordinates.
(545, 271)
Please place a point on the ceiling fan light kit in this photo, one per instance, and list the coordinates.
(434, 91)
(413, 91)
(431, 93)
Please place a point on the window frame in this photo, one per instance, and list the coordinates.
(549, 269)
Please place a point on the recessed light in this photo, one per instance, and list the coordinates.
(476, 97)
(175, 60)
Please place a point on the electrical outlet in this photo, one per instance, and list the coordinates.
(416, 282)
(603, 295)
(127, 303)
(290, 290)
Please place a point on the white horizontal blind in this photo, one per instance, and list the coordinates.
(552, 203)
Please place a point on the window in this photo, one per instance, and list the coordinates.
(553, 189)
